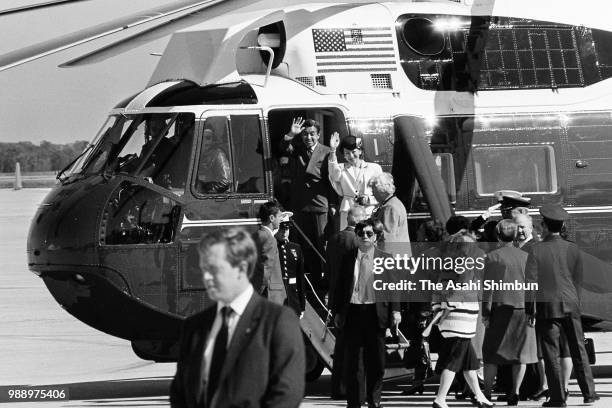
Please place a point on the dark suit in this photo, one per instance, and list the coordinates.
(267, 278)
(338, 245)
(556, 266)
(364, 328)
(292, 269)
(311, 190)
(311, 197)
(264, 366)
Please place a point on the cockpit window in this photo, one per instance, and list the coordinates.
(214, 175)
(152, 146)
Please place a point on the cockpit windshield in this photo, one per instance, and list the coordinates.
(152, 146)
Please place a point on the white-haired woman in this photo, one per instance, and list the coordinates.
(392, 213)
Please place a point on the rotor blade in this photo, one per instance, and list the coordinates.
(33, 52)
(45, 4)
(154, 33)
(170, 26)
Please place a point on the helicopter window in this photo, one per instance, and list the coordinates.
(155, 146)
(214, 175)
(170, 159)
(247, 149)
(138, 215)
(527, 169)
(109, 135)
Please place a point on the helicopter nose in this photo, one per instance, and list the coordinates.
(64, 228)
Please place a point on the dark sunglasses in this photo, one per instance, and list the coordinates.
(363, 233)
(285, 225)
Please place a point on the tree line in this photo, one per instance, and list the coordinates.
(44, 157)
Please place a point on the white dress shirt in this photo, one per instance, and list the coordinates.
(363, 296)
(237, 305)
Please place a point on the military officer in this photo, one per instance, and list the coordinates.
(556, 266)
(509, 203)
(292, 265)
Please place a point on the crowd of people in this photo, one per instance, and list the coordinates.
(504, 331)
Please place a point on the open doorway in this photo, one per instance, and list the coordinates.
(279, 123)
(301, 180)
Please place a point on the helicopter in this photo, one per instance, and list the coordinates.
(457, 99)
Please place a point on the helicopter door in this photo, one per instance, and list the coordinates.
(229, 183)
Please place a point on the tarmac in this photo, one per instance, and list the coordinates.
(41, 345)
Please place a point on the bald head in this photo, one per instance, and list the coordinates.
(525, 227)
(355, 214)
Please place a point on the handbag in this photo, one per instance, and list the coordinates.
(589, 345)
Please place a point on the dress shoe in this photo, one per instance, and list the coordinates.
(513, 399)
(590, 400)
(565, 394)
(413, 390)
(554, 404)
(436, 405)
(539, 395)
(468, 394)
(483, 404)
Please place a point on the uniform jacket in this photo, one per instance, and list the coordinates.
(267, 278)
(508, 265)
(556, 266)
(292, 269)
(344, 289)
(264, 366)
(311, 190)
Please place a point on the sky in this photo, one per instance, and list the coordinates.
(39, 101)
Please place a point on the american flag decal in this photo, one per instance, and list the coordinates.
(354, 49)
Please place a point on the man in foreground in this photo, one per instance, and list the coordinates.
(243, 350)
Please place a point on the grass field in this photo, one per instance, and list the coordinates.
(41, 179)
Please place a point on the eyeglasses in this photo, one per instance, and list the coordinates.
(363, 233)
(285, 225)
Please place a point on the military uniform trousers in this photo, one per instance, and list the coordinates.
(550, 331)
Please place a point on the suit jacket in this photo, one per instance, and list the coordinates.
(264, 366)
(556, 266)
(394, 218)
(344, 289)
(527, 246)
(507, 264)
(292, 269)
(267, 277)
(311, 190)
(341, 243)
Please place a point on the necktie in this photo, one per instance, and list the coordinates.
(309, 153)
(364, 275)
(219, 352)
